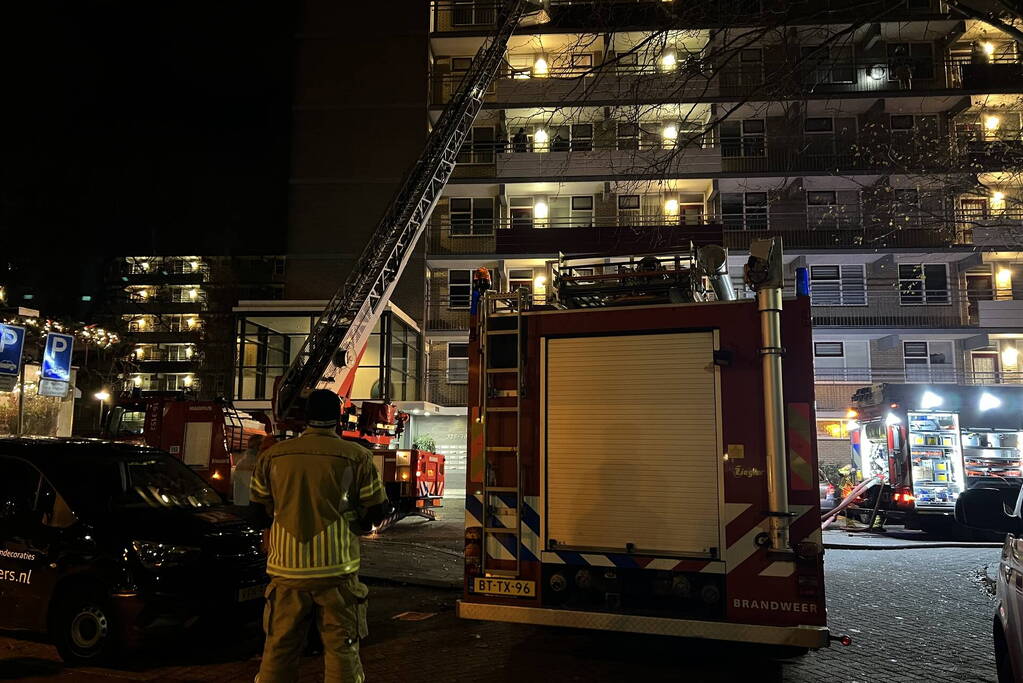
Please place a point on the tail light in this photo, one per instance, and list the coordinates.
(404, 473)
(904, 497)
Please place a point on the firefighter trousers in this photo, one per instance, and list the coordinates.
(338, 608)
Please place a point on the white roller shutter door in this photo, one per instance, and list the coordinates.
(632, 449)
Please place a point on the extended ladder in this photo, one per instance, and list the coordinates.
(500, 381)
(329, 354)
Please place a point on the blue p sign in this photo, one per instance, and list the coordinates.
(57, 357)
(12, 340)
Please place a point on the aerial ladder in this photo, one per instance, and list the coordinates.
(330, 355)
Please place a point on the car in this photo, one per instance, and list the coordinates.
(827, 493)
(999, 509)
(8, 365)
(104, 545)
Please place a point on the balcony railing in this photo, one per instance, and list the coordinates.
(833, 389)
(701, 79)
(447, 389)
(911, 307)
(832, 227)
(442, 317)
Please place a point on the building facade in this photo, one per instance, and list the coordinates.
(879, 140)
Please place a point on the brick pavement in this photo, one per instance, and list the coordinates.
(917, 615)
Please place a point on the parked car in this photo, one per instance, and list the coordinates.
(998, 509)
(103, 544)
(827, 492)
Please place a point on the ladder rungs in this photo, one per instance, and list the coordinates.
(500, 489)
(503, 449)
(500, 530)
(492, 409)
(506, 393)
(495, 371)
(502, 331)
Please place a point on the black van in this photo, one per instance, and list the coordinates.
(102, 544)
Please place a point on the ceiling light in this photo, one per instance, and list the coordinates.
(989, 401)
(540, 210)
(930, 400)
(1010, 355)
(992, 122)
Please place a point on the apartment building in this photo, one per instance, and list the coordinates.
(879, 140)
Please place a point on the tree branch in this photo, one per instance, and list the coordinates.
(988, 18)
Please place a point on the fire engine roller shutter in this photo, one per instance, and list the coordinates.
(632, 443)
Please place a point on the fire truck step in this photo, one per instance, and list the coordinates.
(495, 409)
(495, 371)
(501, 489)
(502, 331)
(506, 393)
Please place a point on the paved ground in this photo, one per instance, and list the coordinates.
(915, 615)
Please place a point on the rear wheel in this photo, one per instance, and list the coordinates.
(83, 628)
(1003, 663)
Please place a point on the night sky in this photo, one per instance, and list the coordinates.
(141, 127)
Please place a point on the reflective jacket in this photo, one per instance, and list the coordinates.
(313, 487)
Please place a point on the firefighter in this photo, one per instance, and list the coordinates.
(320, 491)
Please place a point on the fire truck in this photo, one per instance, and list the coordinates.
(641, 457)
(931, 442)
(208, 436)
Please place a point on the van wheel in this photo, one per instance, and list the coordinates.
(1003, 663)
(83, 628)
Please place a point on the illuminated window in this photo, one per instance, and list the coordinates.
(832, 429)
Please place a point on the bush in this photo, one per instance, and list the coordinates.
(425, 442)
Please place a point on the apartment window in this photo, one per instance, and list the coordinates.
(582, 137)
(459, 289)
(841, 361)
(468, 13)
(744, 211)
(929, 361)
(828, 64)
(472, 216)
(838, 285)
(579, 64)
(460, 64)
(573, 211)
(819, 125)
(520, 277)
(925, 283)
(478, 147)
(918, 58)
(521, 66)
(627, 62)
(743, 138)
(628, 136)
(749, 70)
(458, 363)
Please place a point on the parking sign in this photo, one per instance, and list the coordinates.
(12, 341)
(57, 357)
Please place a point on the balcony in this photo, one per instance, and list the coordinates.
(441, 390)
(570, 235)
(1003, 313)
(602, 161)
(701, 80)
(828, 229)
(833, 389)
(889, 307)
(441, 318)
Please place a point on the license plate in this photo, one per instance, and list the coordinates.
(515, 587)
(251, 593)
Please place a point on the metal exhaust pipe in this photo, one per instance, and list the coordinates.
(713, 261)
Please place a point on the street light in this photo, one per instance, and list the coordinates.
(102, 395)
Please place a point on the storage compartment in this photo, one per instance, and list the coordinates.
(632, 444)
(992, 457)
(936, 459)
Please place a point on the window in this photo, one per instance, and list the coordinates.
(841, 361)
(574, 211)
(628, 202)
(472, 216)
(520, 277)
(582, 137)
(923, 283)
(929, 361)
(460, 64)
(521, 212)
(828, 64)
(628, 136)
(914, 59)
(479, 146)
(458, 363)
(824, 211)
(819, 125)
(743, 138)
(459, 288)
(838, 285)
(627, 62)
(832, 429)
(467, 13)
(749, 71)
(579, 64)
(744, 211)
(521, 66)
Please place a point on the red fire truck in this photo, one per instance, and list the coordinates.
(640, 457)
(209, 437)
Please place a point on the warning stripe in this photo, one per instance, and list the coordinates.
(622, 561)
(800, 445)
